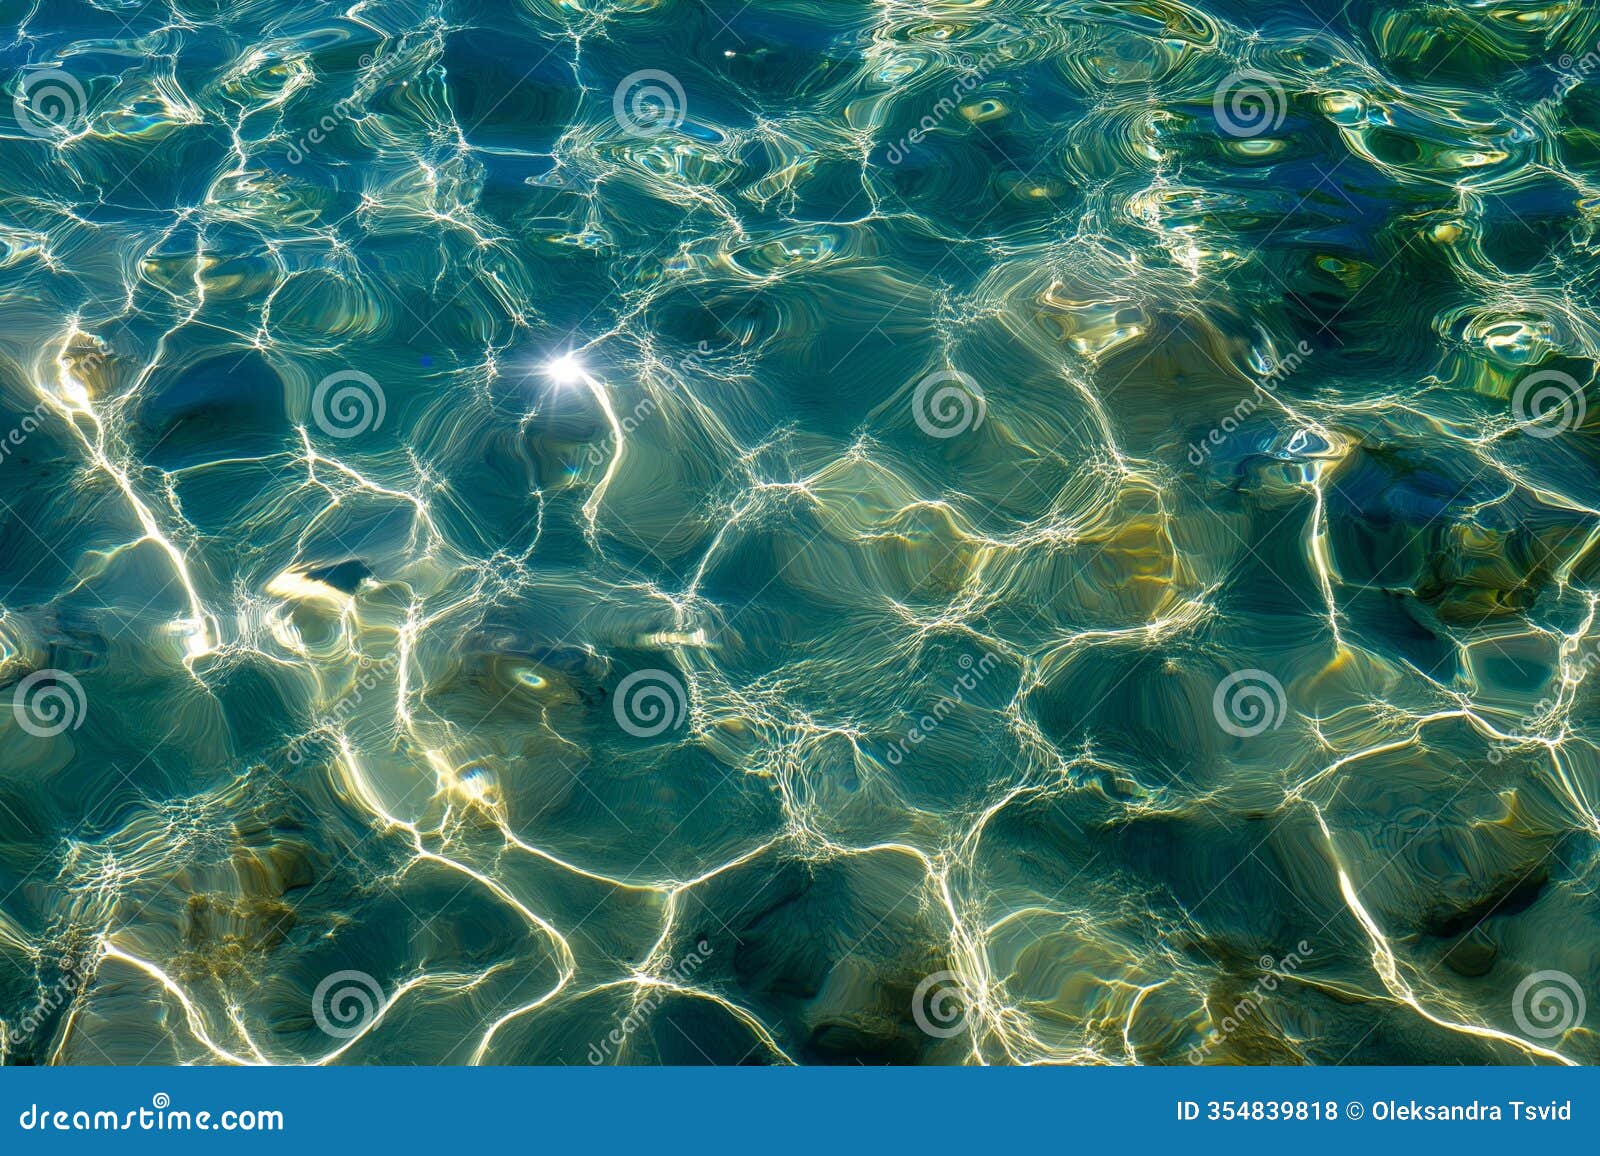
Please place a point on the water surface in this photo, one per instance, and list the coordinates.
(815, 531)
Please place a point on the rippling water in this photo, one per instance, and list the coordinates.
(682, 531)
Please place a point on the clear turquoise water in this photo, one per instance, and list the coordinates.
(682, 531)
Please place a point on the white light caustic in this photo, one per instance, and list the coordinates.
(565, 370)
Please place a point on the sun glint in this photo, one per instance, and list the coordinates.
(565, 370)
